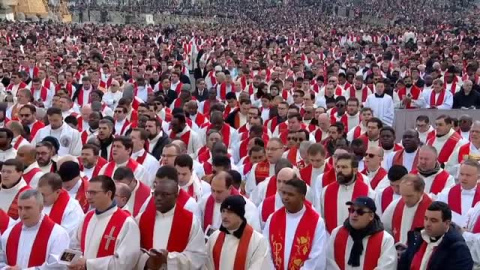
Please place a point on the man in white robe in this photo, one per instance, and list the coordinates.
(436, 98)
(58, 205)
(384, 197)
(108, 237)
(69, 139)
(361, 128)
(122, 148)
(409, 214)
(27, 237)
(408, 156)
(381, 104)
(377, 245)
(140, 192)
(446, 139)
(436, 179)
(222, 187)
(179, 129)
(142, 156)
(171, 235)
(188, 180)
(471, 234)
(285, 228)
(237, 237)
(12, 186)
(7, 151)
(465, 151)
(32, 173)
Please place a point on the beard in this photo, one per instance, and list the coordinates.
(151, 136)
(344, 179)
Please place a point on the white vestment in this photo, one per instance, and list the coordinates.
(429, 182)
(453, 164)
(260, 192)
(466, 203)
(316, 258)
(200, 188)
(439, 143)
(57, 243)
(69, 139)
(383, 108)
(408, 159)
(139, 173)
(473, 239)
(387, 259)
(127, 244)
(150, 164)
(8, 195)
(194, 255)
(72, 216)
(8, 154)
(251, 182)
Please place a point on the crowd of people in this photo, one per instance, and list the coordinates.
(262, 142)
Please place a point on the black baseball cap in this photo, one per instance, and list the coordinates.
(364, 202)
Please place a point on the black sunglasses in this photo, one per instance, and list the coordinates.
(370, 155)
(340, 105)
(360, 212)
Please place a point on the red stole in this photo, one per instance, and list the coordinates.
(18, 142)
(81, 196)
(182, 198)
(357, 132)
(141, 195)
(141, 159)
(439, 182)
(223, 90)
(417, 219)
(242, 249)
(20, 86)
(80, 96)
(381, 173)
(110, 235)
(40, 244)
(292, 155)
(179, 234)
(178, 88)
(13, 209)
(440, 99)
(35, 128)
(447, 148)
(331, 195)
(271, 187)
(417, 259)
(4, 221)
(304, 235)
(414, 92)
(372, 252)
(58, 208)
(463, 152)
(268, 207)
(343, 119)
(306, 174)
(398, 159)
(109, 170)
(185, 137)
(455, 198)
(210, 206)
(365, 93)
(225, 133)
(124, 127)
(328, 177)
(262, 171)
(29, 175)
(43, 93)
(476, 227)
(387, 197)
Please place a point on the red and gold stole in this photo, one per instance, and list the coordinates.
(40, 244)
(179, 233)
(242, 249)
(331, 197)
(302, 243)
(455, 198)
(417, 219)
(447, 148)
(13, 209)
(112, 230)
(58, 208)
(81, 196)
(262, 171)
(372, 253)
(463, 152)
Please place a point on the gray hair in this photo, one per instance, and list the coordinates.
(27, 194)
(304, 147)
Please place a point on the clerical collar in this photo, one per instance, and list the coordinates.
(299, 213)
(379, 96)
(14, 185)
(237, 233)
(97, 212)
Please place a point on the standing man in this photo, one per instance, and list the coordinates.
(361, 241)
(109, 238)
(235, 236)
(295, 233)
(439, 245)
(36, 242)
(381, 104)
(171, 234)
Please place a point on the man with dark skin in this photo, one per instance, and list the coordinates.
(406, 156)
(6, 149)
(387, 140)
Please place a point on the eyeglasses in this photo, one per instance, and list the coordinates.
(340, 105)
(370, 155)
(24, 115)
(299, 139)
(291, 138)
(359, 212)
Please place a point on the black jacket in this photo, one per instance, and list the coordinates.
(451, 254)
(231, 118)
(199, 73)
(169, 97)
(199, 97)
(158, 148)
(462, 100)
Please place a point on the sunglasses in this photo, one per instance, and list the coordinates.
(370, 155)
(359, 212)
(340, 105)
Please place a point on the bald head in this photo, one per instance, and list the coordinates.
(283, 176)
(122, 194)
(181, 145)
(16, 128)
(65, 159)
(26, 154)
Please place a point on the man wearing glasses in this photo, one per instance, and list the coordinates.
(361, 242)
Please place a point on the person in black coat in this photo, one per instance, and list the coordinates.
(157, 137)
(201, 92)
(450, 250)
(467, 97)
(164, 90)
(200, 71)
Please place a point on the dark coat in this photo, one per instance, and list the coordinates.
(451, 254)
(169, 97)
(462, 100)
(199, 97)
(158, 148)
(199, 73)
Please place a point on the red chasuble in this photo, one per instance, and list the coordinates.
(58, 208)
(331, 196)
(398, 159)
(381, 173)
(40, 244)
(179, 234)
(4, 221)
(447, 148)
(372, 252)
(13, 209)
(242, 249)
(417, 219)
(109, 170)
(302, 243)
(114, 226)
(455, 198)
(29, 175)
(262, 171)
